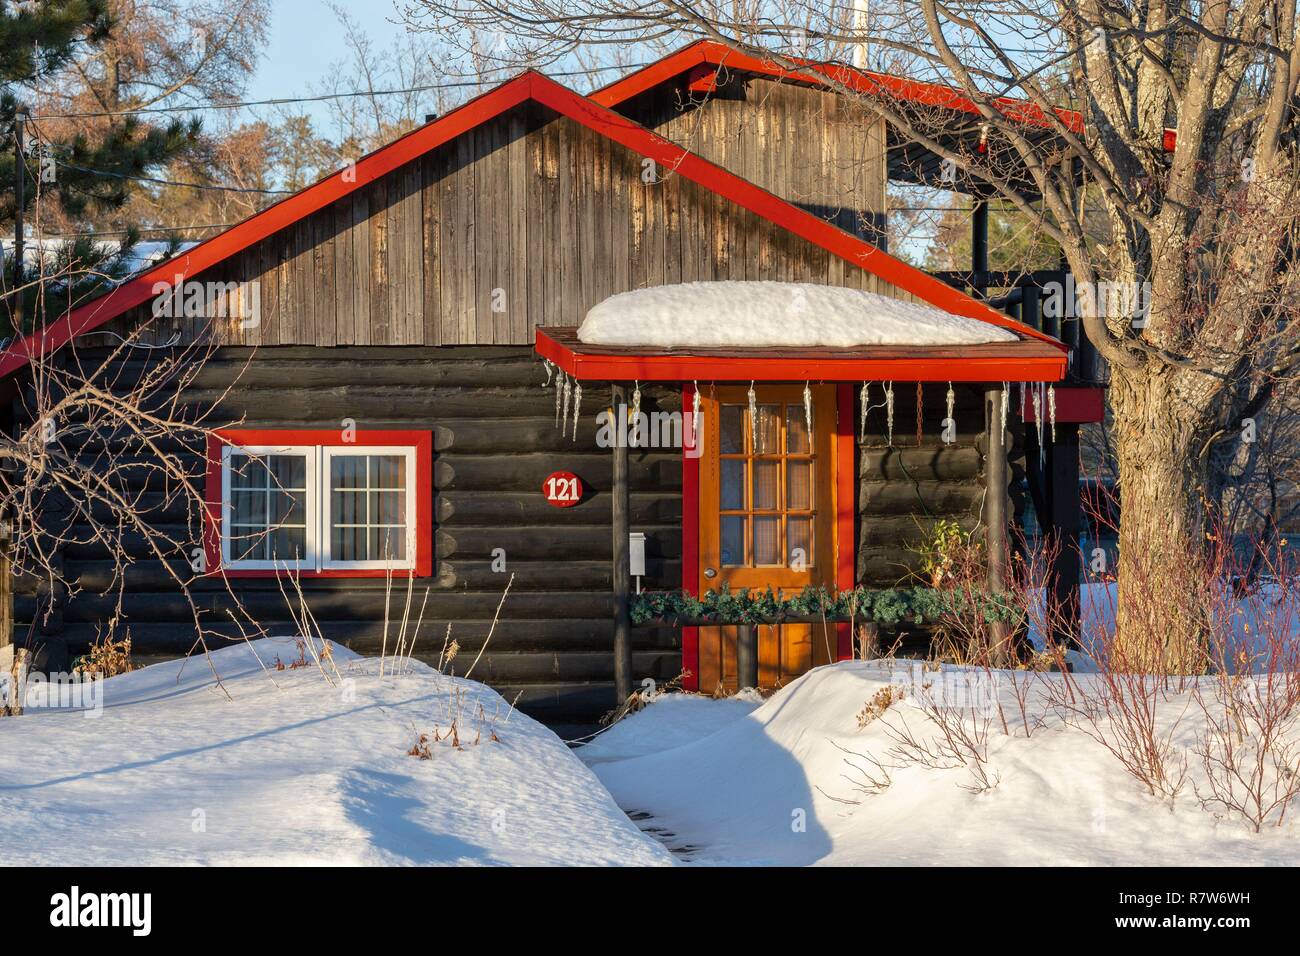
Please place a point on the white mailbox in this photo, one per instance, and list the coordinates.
(636, 556)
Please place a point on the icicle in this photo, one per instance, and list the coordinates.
(753, 417)
(1038, 420)
(634, 418)
(577, 403)
(864, 399)
(951, 399)
(564, 410)
(1051, 409)
(807, 412)
(889, 413)
(558, 392)
(550, 371)
(695, 417)
(1021, 406)
(1006, 401)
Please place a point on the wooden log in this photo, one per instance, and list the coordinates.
(649, 471)
(589, 542)
(456, 508)
(938, 463)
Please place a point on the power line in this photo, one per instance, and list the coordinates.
(170, 182)
(285, 100)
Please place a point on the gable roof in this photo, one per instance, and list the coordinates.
(537, 88)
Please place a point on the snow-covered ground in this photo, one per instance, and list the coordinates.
(790, 314)
(296, 771)
(775, 785)
(299, 769)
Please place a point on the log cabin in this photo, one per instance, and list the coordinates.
(418, 328)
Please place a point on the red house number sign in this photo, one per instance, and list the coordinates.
(562, 489)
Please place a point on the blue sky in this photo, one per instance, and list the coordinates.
(305, 38)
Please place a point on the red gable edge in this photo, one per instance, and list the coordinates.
(545, 91)
(713, 55)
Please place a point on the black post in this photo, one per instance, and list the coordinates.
(20, 200)
(995, 508)
(979, 247)
(746, 656)
(1063, 577)
(619, 508)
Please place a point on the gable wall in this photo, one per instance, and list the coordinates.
(814, 148)
(531, 213)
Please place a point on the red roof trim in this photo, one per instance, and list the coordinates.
(538, 88)
(705, 55)
(927, 94)
(1037, 365)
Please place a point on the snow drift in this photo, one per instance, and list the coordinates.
(296, 771)
(777, 785)
(789, 314)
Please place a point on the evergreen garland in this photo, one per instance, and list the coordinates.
(887, 607)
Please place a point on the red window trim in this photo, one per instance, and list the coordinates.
(422, 441)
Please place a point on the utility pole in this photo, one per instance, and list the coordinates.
(20, 200)
(861, 26)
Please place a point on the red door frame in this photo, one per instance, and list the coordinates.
(844, 452)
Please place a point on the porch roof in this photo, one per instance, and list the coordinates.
(1025, 360)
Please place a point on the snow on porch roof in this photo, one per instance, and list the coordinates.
(738, 314)
(774, 331)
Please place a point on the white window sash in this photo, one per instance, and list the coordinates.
(309, 560)
(330, 452)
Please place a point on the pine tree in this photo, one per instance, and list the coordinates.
(39, 38)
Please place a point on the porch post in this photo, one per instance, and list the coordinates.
(746, 656)
(619, 507)
(995, 507)
(979, 247)
(1063, 576)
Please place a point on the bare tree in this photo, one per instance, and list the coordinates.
(1192, 297)
(106, 450)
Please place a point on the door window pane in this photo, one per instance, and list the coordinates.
(733, 540)
(767, 540)
(732, 494)
(799, 542)
(766, 430)
(732, 426)
(798, 479)
(796, 430)
(766, 475)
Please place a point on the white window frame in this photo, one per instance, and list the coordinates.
(319, 499)
(330, 452)
(309, 560)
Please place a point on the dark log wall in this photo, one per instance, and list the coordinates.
(820, 150)
(494, 442)
(528, 220)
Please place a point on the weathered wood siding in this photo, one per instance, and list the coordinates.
(495, 440)
(529, 220)
(822, 151)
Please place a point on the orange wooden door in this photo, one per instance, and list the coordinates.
(767, 511)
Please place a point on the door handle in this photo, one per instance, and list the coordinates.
(710, 573)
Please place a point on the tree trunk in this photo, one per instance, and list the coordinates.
(1162, 611)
